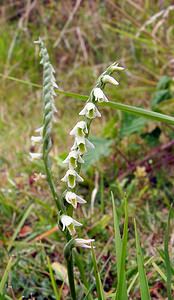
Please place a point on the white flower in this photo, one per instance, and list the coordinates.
(80, 129)
(39, 130)
(72, 159)
(99, 95)
(109, 79)
(84, 243)
(90, 111)
(69, 223)
(36, 139)
(73, 199)
(34, 155)
(54, 84)
(71, 177)
(115, 67)
(82, 144)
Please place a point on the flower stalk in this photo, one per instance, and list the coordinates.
(80, 132)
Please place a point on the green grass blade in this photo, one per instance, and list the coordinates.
(5, 275)
(152, 115)
(99, 286)
(53, 282)
(121, 286)
(144, 289)
(115, 105)
(118, 242)
(167, 257)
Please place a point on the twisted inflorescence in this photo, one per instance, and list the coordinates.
(81, 145)
(49, 84)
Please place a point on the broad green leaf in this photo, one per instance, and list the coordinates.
(102, 149)
(131, 124)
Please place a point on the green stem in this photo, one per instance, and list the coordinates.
(70, 268)
(68, 254)
(51, 184)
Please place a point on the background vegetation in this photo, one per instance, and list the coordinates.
(132, 153)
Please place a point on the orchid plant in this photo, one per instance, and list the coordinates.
(70, 199)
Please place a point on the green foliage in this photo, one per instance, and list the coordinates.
(131, 124)
(120, 249)
(144, 289)
(102, 149)
(167, 257)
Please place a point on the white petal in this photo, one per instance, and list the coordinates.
(80, 160)
(36, 139)
(99, 95)
(55, 85)
(66, 160)
(39, 130)
(82, 125)
(89, 145)
(84, 243)
(80, 199)
(35, 155)
(109, 79)
(64, 179)
(83, 111)
(79, 178)
(74, 146)
(76, 223)
(98, 114)
(66, 221)
(115, 67)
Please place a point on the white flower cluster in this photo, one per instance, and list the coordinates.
(81, 144)
(49, 84)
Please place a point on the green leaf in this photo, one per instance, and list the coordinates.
(53, 281)
(167, 257)
(5, 276)
(99, 287)
(152, 138)
(115, 105)
(160, 96)
(131, 124)
(102, 149)
(118, 247)
(152, 115)
(121, 251)
(144, 289)
(164, 83)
